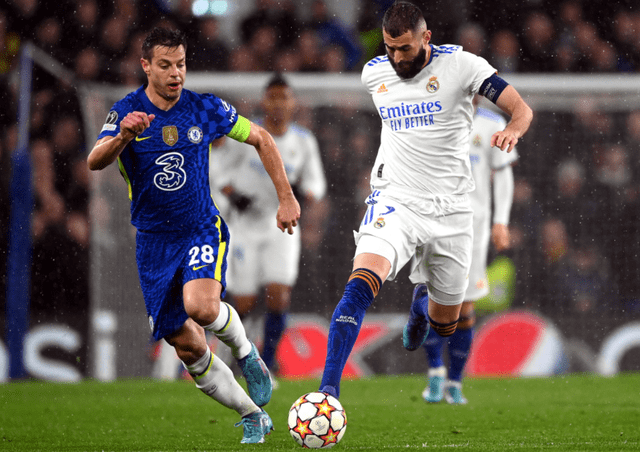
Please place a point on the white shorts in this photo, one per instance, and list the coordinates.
(260, 254)
(437, 232)
(478, 281)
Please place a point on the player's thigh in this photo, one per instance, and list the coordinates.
(280, 259)
(444, 261)
(204, 271)
(202, 299)
(159, 258)
(387, 230)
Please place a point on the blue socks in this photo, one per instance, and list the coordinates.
(433, 349)
(459, 346)
(274, 325)
(361, 289)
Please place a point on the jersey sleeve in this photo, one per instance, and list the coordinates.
(219, 115)
(473, 71)
(368, 73)
(313, 181)
(111, 126)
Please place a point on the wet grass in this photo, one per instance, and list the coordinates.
(572, 413)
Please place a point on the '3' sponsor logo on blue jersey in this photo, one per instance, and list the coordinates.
(172, 177)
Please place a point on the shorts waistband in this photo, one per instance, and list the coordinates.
(403, 191)
(440, 204)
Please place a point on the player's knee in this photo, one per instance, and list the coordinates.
(278, 297)
(204, 310)
(467, 321)
(443, 329)
(244, 304)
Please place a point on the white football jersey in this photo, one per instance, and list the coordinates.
(485, 158)
(426, 121)
(239, 165)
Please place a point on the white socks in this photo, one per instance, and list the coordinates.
(215, 379)
(437, 372)
(229, 329)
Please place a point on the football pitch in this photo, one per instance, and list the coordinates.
(573, 412)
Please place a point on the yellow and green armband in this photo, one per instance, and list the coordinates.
(241, 129)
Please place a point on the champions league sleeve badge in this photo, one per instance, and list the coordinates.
(110, 122)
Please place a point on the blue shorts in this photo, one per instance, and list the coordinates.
(168, 260)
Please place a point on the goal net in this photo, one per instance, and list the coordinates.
(575, 249)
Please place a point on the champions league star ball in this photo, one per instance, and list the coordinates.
(317, 421)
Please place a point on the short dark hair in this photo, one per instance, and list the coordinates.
(162, 37)
(277, 79)
(402, 17)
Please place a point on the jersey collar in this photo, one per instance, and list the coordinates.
(142, 95)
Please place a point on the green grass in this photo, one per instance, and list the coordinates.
(576, 413)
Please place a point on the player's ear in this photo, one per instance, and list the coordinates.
(146, 66)
(426, 37)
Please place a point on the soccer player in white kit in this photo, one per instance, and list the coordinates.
(487, 163)
(260, 256)
(420, 181)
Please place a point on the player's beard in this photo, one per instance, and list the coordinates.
(409, 69)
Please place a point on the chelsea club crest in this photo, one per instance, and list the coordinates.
(195, 134)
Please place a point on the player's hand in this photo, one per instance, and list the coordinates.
(500, 237)
(134, 124)
(288, 214)
(504, 140)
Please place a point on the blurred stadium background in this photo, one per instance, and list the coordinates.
(565, 298)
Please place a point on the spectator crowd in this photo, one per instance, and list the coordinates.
(576, 197)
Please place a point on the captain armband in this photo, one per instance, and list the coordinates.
(241, 129)
(492, 87)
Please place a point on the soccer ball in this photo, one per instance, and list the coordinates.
(317, 421)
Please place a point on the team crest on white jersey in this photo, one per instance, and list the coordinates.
(433, 85)
(379, 224)
(195, 134)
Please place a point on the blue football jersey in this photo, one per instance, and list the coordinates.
(167, 166)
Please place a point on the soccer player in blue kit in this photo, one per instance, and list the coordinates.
(160, 136)
(419, 208)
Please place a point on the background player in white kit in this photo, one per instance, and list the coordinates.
(260, 256)
(420, 181)
(487, 163)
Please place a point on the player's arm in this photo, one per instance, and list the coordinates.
(502, 201)
(509, 100)
(107, 149)
(289, 209)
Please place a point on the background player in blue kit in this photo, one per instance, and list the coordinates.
(419, 207)
(160, 136)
